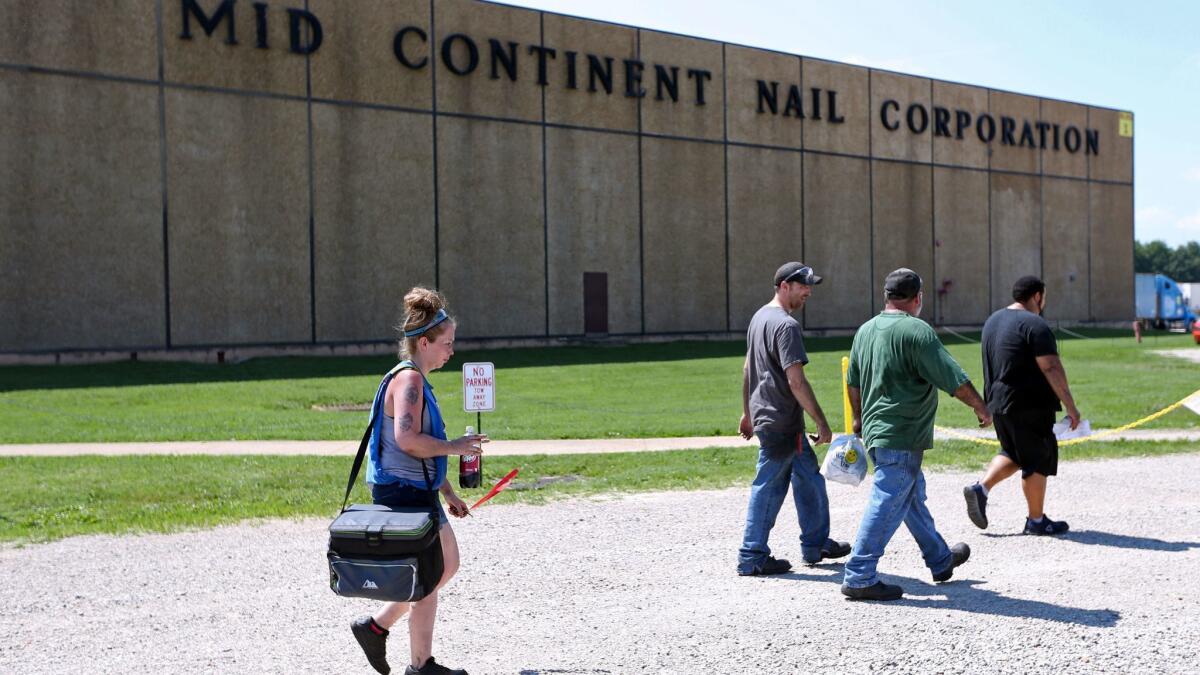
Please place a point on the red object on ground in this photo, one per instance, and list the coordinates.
(1196, 331)
(496, 489)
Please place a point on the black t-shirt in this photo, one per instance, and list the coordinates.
(1012, 341)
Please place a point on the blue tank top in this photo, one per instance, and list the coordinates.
(387, 463)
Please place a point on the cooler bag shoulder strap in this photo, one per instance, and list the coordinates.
(366, 439)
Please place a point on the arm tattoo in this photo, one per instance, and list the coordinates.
(406, 422)
(410, 395)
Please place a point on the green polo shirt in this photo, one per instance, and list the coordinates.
(898, 363)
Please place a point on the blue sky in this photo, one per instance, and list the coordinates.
(1137, 56)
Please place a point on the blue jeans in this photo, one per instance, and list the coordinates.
(781, 463)
(897, 496)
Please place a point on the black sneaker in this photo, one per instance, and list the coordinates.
(1046, 527)
(959, 554)
(976, 505)
(432, 667)
(831, 549)
(769, 566)
(880, 591)
(374, 644)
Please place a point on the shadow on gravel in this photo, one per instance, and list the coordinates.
(559, 671)
(1097, 538)
(964, 596)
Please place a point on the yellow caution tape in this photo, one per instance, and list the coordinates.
(1099, 434)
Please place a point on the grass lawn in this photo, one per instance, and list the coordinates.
(650, 390)
(47, 498)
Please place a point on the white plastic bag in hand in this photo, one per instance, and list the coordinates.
(1064, 432)
(846, 460)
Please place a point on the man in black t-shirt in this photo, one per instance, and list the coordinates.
(1024, 381)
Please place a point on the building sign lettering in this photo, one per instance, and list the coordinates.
(466, 56)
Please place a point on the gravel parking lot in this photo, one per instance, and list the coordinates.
(646, 584)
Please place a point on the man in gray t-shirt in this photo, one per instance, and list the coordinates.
(775, 396)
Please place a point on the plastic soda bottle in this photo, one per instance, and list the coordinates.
(470, 467)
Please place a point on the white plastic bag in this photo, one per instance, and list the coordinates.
(1063, 431)
(846, 460)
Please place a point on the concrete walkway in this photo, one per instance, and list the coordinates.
(493, 449)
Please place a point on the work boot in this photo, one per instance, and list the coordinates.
(831, 549)
(373, 640)
(878, 591)
(769, 566)
(431, 667)
(959, 554)
(976, 505)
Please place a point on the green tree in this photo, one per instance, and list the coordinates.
(1181, 263)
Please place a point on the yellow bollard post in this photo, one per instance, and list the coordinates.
(847, 414)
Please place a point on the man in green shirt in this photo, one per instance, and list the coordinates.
(897, 364)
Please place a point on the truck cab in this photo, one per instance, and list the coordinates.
(1160, 302)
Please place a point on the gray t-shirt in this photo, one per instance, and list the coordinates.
(774, 341)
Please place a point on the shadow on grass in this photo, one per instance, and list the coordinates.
(137, 373)
(1096, 538)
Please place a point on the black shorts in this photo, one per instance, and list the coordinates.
(1027, 438)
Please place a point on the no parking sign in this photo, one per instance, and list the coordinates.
(479, 387)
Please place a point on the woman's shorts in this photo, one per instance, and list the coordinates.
(1027, 438)
(399, 494)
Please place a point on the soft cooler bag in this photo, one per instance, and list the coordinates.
(381, 552)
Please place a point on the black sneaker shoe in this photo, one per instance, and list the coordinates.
(769, 566)
(880, 591)
(831, 549)
(1046, 527)
(432, 667)
(373, 644)
(976, 505)
(959, 554)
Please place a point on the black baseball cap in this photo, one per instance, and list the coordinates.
(902, 284)
(796, 272)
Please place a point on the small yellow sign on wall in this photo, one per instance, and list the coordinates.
(1125, 125)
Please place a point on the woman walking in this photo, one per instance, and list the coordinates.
(410, 439)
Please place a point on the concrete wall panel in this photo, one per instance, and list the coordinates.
(1115, 161)
(1065, 247)
(491, 234)
(1025, 154)
(1060, 162)
(684, 236)
(211, 61)
(780, 72)
(967, 150)
(238, 219)
(903, 230)
(373, 217)
(837, 240)
(359, 64)
(764, 225)
(1112, 252)
(478, 93)
(961, 247)
(81, 239)
(119, 38)
(1016, 232)
(592, 216)
(684, 117)
(579, 106)
(852, 136)
(913, 95)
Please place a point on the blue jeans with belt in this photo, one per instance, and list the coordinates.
(897, 496)
(785, 459)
